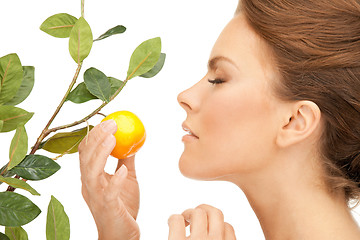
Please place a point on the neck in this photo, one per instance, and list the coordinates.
(291, 204)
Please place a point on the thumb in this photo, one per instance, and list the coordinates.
(130, 165)
(114, 188)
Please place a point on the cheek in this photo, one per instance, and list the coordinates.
(234, 128)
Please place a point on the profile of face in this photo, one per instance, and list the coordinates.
(232, 111)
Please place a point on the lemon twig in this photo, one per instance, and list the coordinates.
(82, 8)
(84, 120)
(45, 132)
(101, 114)
(96, 111)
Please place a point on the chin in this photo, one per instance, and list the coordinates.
(191, 168)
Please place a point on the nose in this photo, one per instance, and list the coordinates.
(190, 98)
(183, 100)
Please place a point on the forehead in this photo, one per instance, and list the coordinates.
(239, 42)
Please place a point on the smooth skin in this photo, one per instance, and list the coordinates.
(116, 197)
(245, 135)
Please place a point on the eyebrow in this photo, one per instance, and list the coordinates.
(214, 61)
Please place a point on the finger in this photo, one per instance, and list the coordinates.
(84, 147)
(94, 153)
(95, 167)
(96, 136)
(93, 176)
(101, 154)
(112, 205)
(129, 163)
(198, 222)
(177, 230)
(229, 232)
(215, 221)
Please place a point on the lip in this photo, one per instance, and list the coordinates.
(186, 128)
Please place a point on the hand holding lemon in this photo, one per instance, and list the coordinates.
(130, 135)
(113, 196)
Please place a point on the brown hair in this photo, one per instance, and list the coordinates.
(316, 45)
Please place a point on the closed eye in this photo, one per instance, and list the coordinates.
(216, 81)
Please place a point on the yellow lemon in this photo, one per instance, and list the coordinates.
(130, 134)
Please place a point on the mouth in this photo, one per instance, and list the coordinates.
(188, 130)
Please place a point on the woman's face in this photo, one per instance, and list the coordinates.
(235, 122)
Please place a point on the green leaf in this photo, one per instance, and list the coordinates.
(98, 84)
(80, 94)
(144, 58)
(16, 210)
(115, 30)
(11, 75)
(16, 233)
(57, 223)
(25, 87)
(36, 167)
(59, 25)
(13, 117)
(1, 124)
(3, 236)
(157, 68)
(5, 173)
(81, 40)
(18, 147)
(66, 141)
(115, 84)
(17, 183)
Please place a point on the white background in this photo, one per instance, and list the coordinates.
(188, 30)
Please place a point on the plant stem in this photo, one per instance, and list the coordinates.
(10, 188)
(65, 96)
(96, 111)
(46, 132)
(101, 114)
(82, 8)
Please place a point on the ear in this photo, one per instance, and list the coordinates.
(301, 121)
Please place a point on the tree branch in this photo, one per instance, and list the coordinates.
(45, 131)
(96, 111)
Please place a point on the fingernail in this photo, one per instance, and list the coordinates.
(109, 125)
(108, 140)
(121, 171)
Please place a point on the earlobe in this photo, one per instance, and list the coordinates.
(303, 119)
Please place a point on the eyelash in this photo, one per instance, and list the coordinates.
(216, 81)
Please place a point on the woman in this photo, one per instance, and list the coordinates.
(278, 114)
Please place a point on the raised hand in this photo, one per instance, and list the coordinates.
(112, 199)
(206, 222)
